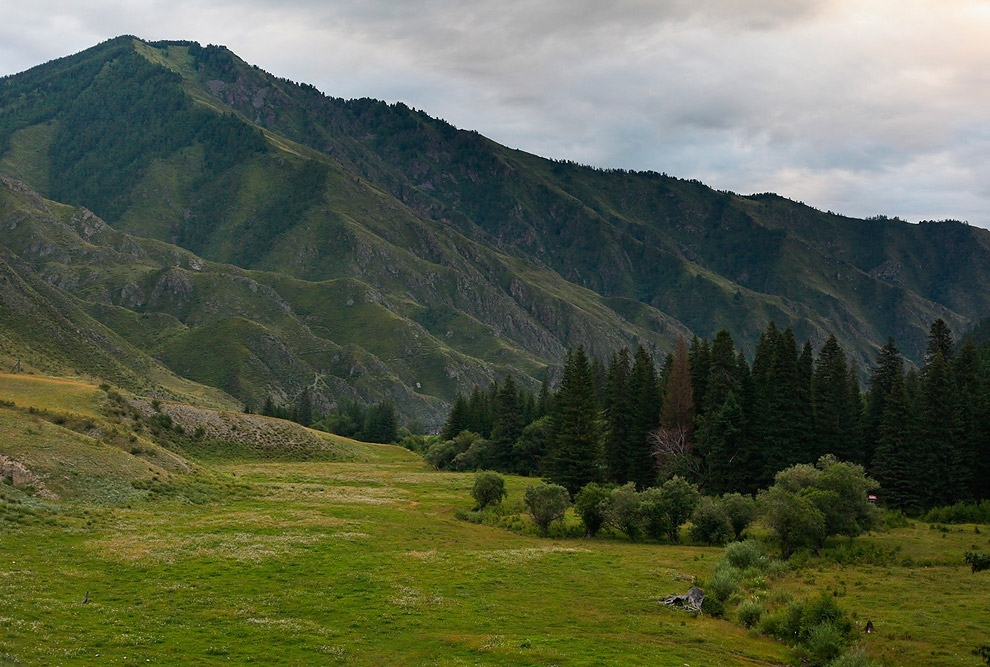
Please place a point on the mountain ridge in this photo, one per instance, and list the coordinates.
(466, 260)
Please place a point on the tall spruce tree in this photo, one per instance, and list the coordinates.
(644, 388)
(948, 478)
(575, 458)
(507, 424)
(699, 361)
(620, 417)
(889, 365)
(971, 381)
(898, 462)
(836, 409)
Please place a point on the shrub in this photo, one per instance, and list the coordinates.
(723, 582)
(741, 511)
(547, 503)
(749, 613)
(744, 555)
(853, 658)
(489, 489)
(825, 643)
(972, 512)
(654, 514)
(624, 510)
(978, 562)
(592, 505)
(710, 523)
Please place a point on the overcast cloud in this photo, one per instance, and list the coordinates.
(857, 106)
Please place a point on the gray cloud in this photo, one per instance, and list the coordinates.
(858, 106)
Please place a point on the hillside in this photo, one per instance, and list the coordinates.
(254, 235)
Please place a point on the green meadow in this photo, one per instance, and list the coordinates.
(365, 561)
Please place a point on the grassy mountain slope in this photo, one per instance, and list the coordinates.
(264, 237)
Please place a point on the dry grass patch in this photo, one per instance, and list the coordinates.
(244, 547)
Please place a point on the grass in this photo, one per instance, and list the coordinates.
(364, 562)
(343, 563)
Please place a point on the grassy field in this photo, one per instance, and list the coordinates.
(365, 563)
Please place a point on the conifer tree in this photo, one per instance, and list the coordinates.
(457, 420)
(974, 416)
(644, 388)
(948, 478)
(620, 417)
(889, 365)
(898, 462)
(507, 423)
(699, 361)
(836, 412)
(576, 457)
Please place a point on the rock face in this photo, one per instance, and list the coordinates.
(17, 475)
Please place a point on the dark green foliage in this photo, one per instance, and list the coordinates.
(576, 436)
(983, 652)
(546, 503)
(592, 505)
(644, 390)
(978, 562)
(741, 511)
(372, 423)
(818, 627)
(808, 503)
(488, 489)
(971, 512)
(619, 417)
(624, 510)
(835, 405)
(710, 523)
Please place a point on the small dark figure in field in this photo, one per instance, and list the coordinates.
(86, 598)
(869, 628)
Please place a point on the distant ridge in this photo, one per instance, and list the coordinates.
(262, 237)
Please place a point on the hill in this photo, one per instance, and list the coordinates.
(257, 236)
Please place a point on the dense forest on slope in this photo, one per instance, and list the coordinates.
(728, 426)
(369, 252)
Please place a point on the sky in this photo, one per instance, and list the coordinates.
(861, 107)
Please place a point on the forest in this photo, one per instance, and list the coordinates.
(729, 426)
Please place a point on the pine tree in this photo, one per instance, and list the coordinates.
(889, 365)
(699, 361)
(948, 478)
(836, 412)
(971, 382)
(507, 424)
(619, 416)
(644, 388)
(304, 408)
(898, 462)
(575, 459)
(457, 420)
(939, 341)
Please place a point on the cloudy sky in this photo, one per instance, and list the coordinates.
(862, 107)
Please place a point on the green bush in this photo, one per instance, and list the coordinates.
(489, 489)
(710, 523)
(825, 643)
(744, 555)
(722, 583)
(624, 510)
(749, 613)
(546, 503)
(741, 511)
(592, 505)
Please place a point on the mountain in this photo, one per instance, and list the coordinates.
(254, 235)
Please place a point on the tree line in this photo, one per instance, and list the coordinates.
(727, 425)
